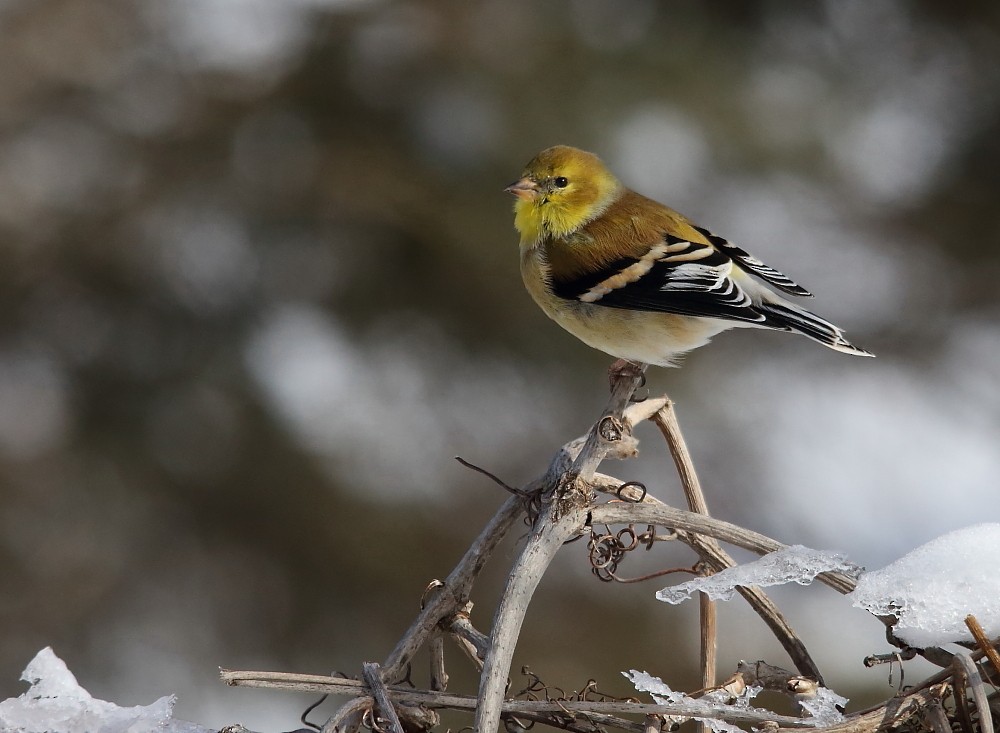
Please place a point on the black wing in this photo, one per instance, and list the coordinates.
(751, 264)
(675, 276)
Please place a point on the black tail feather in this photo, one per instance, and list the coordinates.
(788, 317)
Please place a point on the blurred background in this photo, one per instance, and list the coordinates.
(259, 284)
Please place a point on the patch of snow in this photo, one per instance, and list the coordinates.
(56, 702)
(932, 589)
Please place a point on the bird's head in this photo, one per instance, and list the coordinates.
(559, 191)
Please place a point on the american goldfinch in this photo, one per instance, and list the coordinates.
(635, 279)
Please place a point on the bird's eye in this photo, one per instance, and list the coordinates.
(561, 182)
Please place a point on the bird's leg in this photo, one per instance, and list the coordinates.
(625, 369)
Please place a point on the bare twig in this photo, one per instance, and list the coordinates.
(666, 420)
(493, 477)
(609, 429)
(897, 657)
(560, 520)
(649, 512)
(884, 717)
(451, 597)
(961, 701)
(370, 671)
(455, 593)
(984, 642)
(718, 559)
(708, 618)
(772, 616)
(348, 718)
(543, 544)
(440, 700)
(562, 462)
(439, 676)
(880, 717)
(474, 642)
(590, 721)
(936, 718)
(975, 682)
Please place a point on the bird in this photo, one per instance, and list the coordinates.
(634, 278)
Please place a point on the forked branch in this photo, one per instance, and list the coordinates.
(562, 504)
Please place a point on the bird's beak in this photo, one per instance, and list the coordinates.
(525, 189)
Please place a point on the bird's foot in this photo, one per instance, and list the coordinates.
(625, 369)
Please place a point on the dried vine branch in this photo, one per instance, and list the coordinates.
(373, 679)
(709, 550)
(666, 420)
(543, 544)
(454, 593)
(664, 515)
(562, 518)
(562, 505)
(442, 700)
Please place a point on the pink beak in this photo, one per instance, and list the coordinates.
(525, 189)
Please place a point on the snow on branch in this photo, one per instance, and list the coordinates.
(932, 589)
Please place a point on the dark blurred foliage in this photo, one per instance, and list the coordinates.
(258, 285)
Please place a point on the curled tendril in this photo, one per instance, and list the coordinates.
(532, 507)
(640, 385)
(536, 689)
(513, 724)
(370, 721)
(632, 485)
(305, 714)
(432, 586)
(607, 550)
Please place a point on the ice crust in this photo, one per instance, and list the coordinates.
(661, 693)
(794, 564)
(823, 707)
